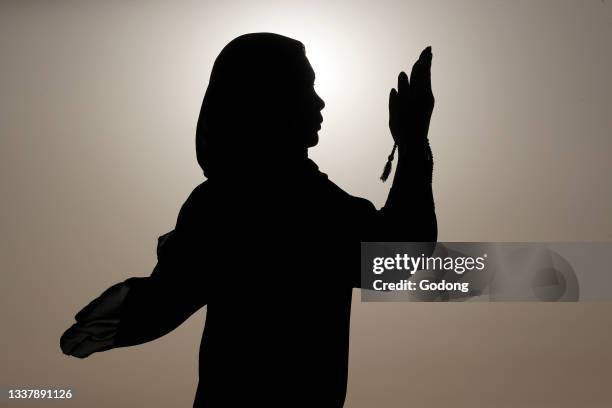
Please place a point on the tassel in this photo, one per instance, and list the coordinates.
(387, 169)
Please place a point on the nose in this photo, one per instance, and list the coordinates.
(320, 102)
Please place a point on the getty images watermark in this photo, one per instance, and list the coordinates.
(479, 271)
(412, 264)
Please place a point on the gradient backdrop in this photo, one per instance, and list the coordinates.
(98, 108)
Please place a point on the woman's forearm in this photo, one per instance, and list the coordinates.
(149, 312)
(409, 212)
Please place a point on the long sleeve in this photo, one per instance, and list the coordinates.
(176, 289)
(409, 213)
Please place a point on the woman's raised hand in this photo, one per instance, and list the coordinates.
(411, 105)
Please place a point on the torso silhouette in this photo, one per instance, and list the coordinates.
(275, 261)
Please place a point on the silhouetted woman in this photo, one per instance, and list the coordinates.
(267, 242)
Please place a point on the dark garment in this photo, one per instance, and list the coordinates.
(275, 262)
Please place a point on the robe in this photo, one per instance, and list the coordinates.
(275, 263)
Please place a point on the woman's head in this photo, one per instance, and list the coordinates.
(260, 106)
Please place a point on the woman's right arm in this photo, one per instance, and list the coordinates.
(156, 305)
(142, 309)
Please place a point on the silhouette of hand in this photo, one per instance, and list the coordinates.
(411, 105)
(97, 324)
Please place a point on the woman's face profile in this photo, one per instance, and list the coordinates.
(307, 117)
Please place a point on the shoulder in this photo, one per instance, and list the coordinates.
(357, 204)
(192, 207)
(199, 192)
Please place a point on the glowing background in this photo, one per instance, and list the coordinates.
(99, 102)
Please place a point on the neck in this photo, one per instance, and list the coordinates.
(272, 168)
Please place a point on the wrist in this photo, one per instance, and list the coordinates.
(414, 149)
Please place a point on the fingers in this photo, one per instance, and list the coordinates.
(428, 56)
(107, 305)
(87, 347)
(98, 328)
(82, 340)
(420, 77)
(393, 111)
(402, 84)
(392, 103)
(426, 53)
